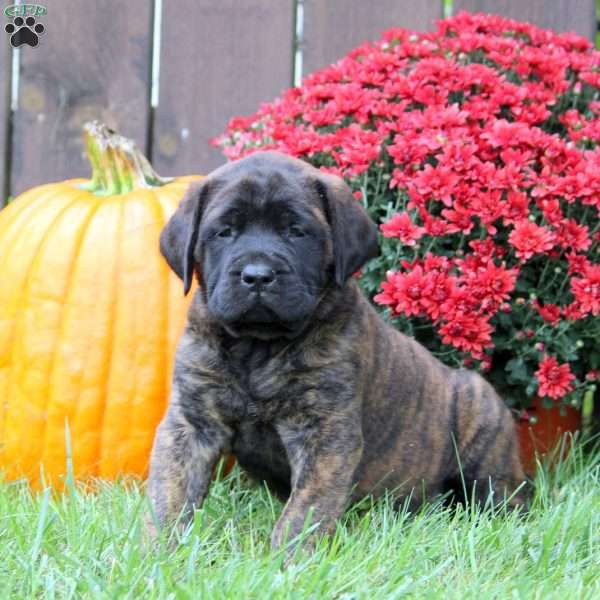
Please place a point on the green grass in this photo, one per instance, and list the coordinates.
(88, 545)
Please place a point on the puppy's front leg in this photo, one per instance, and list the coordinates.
(323, 458)
(181, 465)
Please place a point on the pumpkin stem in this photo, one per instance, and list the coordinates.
(118, 166)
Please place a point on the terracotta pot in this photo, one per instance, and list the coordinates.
(228, 464)
(540, 430)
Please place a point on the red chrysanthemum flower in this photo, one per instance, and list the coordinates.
(586, 289)
(388, 287)
(405, 291)
(578, 263)
(402, 227)
(574, 312)
(555, 381)
(570, 234)
(468, 332)
(441, 288)
(491, 285)
(529, 239)
(549, 312)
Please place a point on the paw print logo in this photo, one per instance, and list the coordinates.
(24, 31)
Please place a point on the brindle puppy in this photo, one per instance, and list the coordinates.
(285, 364)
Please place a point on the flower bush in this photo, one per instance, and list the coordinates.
(476, 148)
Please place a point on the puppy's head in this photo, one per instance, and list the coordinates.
(265, 236)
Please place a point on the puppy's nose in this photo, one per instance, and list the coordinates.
(257, 275)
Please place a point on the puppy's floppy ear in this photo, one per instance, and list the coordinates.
(179, 236)
(354, 234)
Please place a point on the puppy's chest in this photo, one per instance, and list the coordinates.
(265, 381)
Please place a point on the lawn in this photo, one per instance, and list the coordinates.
(88, 545)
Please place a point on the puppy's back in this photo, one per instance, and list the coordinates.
(429, 428)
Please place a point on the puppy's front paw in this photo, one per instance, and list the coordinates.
(150, 534)
(295, 550)
(294, 542)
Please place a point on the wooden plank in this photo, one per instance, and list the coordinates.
(558, 15)
(333, 27)
(5, 80)
(218, 60)
(93, 62)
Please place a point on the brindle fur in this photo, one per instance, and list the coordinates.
(346, 408)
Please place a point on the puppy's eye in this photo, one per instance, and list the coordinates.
(296, 231)
(225, 232)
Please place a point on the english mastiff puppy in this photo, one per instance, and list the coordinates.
(285, 364)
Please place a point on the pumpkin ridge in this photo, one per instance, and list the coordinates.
(7, 226)
(14, 210)
(122, 452)
(111, 337)
(153, 204)
(172, 197)
(33, 263)
(68, 283)
(134, 388)
(36, 257)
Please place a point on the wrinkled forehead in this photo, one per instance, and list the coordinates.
(266, 192)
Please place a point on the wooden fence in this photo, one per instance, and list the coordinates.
(211, 59)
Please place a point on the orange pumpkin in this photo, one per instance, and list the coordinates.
(90, 315)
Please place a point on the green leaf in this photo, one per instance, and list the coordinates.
(517, 371)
